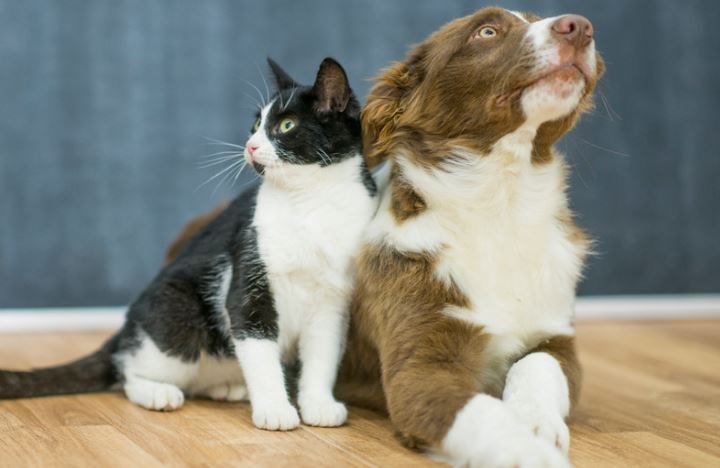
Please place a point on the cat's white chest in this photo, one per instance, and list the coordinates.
(307, 243)
(310, 235)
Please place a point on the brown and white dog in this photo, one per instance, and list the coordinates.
(462, 318)
(466, 284)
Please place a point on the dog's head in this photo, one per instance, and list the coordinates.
(481, 77)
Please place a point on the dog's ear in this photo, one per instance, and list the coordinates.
(385, 105)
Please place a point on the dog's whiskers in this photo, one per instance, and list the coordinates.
(617, 153)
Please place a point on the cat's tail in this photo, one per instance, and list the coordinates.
(92, 373)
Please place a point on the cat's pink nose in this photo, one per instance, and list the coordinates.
(251, 148)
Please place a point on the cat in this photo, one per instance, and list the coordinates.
(268, 281)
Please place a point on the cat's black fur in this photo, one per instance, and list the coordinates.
(176, 309)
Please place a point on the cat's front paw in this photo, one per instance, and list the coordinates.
(275, 417)
(324, 412)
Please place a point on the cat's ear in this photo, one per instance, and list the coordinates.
(331, 89)
(283, 81)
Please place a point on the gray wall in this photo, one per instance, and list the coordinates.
(104, 105)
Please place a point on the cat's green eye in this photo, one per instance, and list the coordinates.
(287, 124)
(256, 125)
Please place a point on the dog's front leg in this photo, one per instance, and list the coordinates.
(542, 387)
(433, 383)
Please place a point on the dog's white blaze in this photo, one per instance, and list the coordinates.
(519, 15)
(545, 46)
(539, 32)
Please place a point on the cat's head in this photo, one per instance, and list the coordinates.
(302, 126)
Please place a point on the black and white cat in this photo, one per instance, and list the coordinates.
(266, 282)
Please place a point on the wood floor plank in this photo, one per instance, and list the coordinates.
(651, 397)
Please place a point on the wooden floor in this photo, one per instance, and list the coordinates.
(651, 398)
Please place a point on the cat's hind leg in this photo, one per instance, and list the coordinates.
(152, 395)
(227, 392)
(154, 379)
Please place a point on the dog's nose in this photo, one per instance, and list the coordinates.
(251, 148)
(575, 29)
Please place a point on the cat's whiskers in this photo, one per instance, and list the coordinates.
(324, 157)
(262, 77)
(262, 98)
(239, 171)
(258, 105)
(225, 170)
(292, 94)
(213, 141)
(229, 174)
(220, 160)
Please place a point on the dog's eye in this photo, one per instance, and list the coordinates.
(486, 32)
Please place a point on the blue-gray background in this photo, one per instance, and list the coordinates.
(104, 105)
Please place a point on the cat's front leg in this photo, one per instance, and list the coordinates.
(260, 362)
(253, 323)
(321, 347)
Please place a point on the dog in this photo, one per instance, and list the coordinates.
(462, 319)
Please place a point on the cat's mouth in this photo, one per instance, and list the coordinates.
(259, 168)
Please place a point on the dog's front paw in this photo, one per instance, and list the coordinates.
(523, 452)
(487, 434)
(550, 427)
(513, 449)
(324, 412)
(275, 417)
(542, 421)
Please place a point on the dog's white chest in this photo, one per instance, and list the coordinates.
(519, 280)
(513, 258)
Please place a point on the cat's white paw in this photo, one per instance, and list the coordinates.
(275, 417)
(324, 412)
(548, 426)
(227, 392)
(154, 395)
